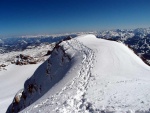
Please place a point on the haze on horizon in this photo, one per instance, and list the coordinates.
(24, 17)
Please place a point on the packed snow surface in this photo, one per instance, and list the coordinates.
(104, 76)
(120, 79)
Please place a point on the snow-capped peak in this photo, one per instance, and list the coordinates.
(87, 74)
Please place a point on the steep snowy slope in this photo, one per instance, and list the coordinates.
(12, 77)
(12, 80)
(87, 74)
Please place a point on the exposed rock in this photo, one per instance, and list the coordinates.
(2, 65)
(24, 60)
(68, 38)
(17, 97)
(48, 53)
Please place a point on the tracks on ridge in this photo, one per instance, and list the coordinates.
(71, 99)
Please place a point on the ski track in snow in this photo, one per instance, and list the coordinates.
(71, 98)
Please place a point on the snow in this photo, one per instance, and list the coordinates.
(12, 77)
(120, 79)
(11, 81)
(102, 76)
(37, 52)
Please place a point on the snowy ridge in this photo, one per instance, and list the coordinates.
(120, 78)
(88, 75)
(71, 97)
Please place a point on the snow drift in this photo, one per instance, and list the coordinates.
(87, 74)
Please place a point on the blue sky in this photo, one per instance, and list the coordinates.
(25, 17)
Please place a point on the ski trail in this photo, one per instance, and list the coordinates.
(71, 99)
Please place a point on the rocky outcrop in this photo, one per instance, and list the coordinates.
(24, 60)
(2, 67)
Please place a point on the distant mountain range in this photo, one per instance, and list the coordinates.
(24, 42)
(137, 39)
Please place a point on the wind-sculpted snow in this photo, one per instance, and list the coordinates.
(71, 96)
(47, 75)
(87, 75)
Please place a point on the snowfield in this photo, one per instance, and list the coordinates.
(12, 77)
(120, 79)
(87, 75)
(11, 81)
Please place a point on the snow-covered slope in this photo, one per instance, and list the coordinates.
(12, 80)
(137, 39)
(12, 77)
(87, 74)
(120, 79)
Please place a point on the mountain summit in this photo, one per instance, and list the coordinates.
(86, 75)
